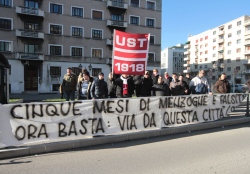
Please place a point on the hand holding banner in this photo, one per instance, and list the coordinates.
(130, 52)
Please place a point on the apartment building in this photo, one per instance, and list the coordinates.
(172, 59)
(225, 48)
(41, 38)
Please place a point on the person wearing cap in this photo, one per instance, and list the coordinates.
(99, 88)
(69, 85)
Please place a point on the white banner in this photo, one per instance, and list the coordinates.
(36, 122)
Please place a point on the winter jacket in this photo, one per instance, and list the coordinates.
(146, 86)
(69, 82)
(177, 88)
(161, 89)
(111, 88)
(197, 80)
(222, 86)
(119, 87)
(99, 89)
(168, 80)
(138, 85)
(79, 91)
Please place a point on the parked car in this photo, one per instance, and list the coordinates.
(239, 88)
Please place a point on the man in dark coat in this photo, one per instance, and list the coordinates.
(161, 88)
(147, 84)
(222, 86)
(167, 79)
(99, 88)
(111, 86)
(155, 77)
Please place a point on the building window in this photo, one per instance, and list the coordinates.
(214, 32)
(5, 24)
(228, 77)
(55, 8)
(77, 31)
(96, 71)
(228, 60)
(229, 35)
(5, 46)
(96, 34)
(76, 70)
(31, 26)
(228, 68)
(229, 43)
(229, 52)
(214, 40)
(134, 20)
(96, 52)
(206, 52)
(55, 50)
(201, 39)
(214, 47)
(238, 41)
(238, 23)
(55, 71)
(55, 29)
(96, 14)
(151, 57)
(6, 3)
(214, 55)
(229, 26)
(205, 59)
(150, 22)
(76, 51)
(206, 37)
(150, 5)
(30, 48)
(31, 4)
(135, 3)
(76, 11)
(152, 40)
(238, 32)
(237, 59)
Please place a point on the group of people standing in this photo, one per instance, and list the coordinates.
(146, 85)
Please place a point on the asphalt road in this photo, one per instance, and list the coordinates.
(223, 150)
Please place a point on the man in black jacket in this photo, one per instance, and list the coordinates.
(111, 86)
(99, 88)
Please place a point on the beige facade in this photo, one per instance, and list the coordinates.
(223, 49)
(42, 38)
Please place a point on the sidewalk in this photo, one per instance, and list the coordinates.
(35, 97)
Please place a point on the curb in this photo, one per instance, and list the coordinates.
(72, 144)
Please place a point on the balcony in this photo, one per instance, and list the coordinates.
(29, 11)
(247, 32)
(221, 49)
(246, 62)
(247, 71)
(221, 56)
(221, 32)
(186, 71)
(247, 22)
(247, 42)
(186, 58)
(109, 42)
(187, 46)
(121, 24)
(247, 52)
(186, 52)
(220, 41)
(29, 33)
(29, 56)
(116, 4)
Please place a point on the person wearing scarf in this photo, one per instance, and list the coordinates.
(124, 86)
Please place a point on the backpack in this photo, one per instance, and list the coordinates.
(200, 88)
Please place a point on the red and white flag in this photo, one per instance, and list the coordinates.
(130, 53)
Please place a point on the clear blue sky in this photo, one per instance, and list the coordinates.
(183, 17)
